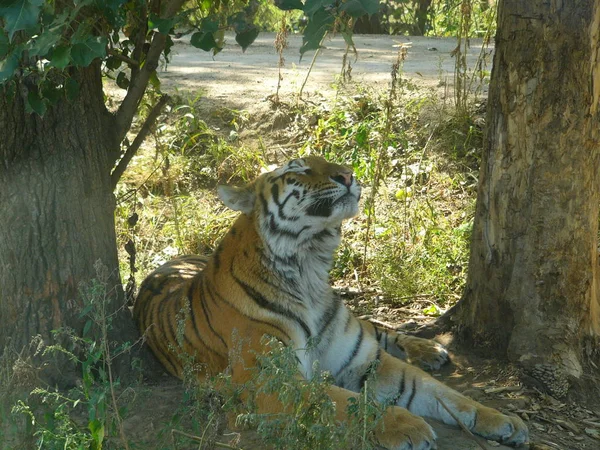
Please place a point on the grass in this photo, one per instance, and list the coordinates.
(409, 242)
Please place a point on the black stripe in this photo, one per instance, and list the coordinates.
(357, 345)
(280, 206)
(330, 314)
(148, 309)
(166, 360)
(216, 296)
(320, 208)
(377, 332)
(173, 337)
(154, 283)
(261, 301)
(206, 314)
(272, 259)
(370, 368)
(322, 234)
(412, 395)
(191, 345)
(216, 257)
(297, 299)
(385, 336)
(264, 203)
(274, 228)
(400, 389)
(398, 345)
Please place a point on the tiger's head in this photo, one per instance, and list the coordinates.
(296, 202)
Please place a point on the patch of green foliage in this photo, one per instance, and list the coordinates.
(411, 242)
(437, 17)
(308, 421)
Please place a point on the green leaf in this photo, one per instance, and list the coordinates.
(8, 66)
(287, 5)
(61, 56)
(19, 15)
(35, 103)
(168, 45)
(51, 93)
(359, 8)
(347, 35)
(43, 43)
(87, 327)
(164, 26)
(97, 429)
(72, 89)
(313, 6)
(319, 24)
(4, 44)
(154, 81)
(209, 24)
(122, 80)
(246, 37)
(203, 41)
(83, 53)
(113, 63)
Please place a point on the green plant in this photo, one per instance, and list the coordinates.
(84, 416)
(469, 81)
(308, 420)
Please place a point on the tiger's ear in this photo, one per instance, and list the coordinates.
(238, 198)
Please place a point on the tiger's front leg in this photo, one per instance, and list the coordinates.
(425, 353)
(411, 388)
(398, 429)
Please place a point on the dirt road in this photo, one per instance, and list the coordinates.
(241, 79)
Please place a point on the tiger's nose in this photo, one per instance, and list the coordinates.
(344, 178)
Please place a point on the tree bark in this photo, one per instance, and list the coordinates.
(56, 213)
(421, 16)
(532, 290)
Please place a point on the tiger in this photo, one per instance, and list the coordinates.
(269, 275)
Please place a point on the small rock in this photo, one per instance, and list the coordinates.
(475, 394)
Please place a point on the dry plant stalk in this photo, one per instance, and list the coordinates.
(382, 156)
(281, 43)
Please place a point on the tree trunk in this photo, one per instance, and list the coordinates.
(56, 213)
(421, 16)
(532, 289)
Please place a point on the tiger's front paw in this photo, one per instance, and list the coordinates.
(493, 425)
(402, 430)
(425, 353)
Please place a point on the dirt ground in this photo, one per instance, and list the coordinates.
(245, 81)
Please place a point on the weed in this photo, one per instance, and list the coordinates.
(308, 419)
(87, 414)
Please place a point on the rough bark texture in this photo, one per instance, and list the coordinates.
(532, 289)
(56, 212)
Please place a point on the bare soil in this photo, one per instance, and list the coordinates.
(246, 81)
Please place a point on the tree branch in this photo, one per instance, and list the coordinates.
(137, 87)
(137, 142)
(130, 61)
